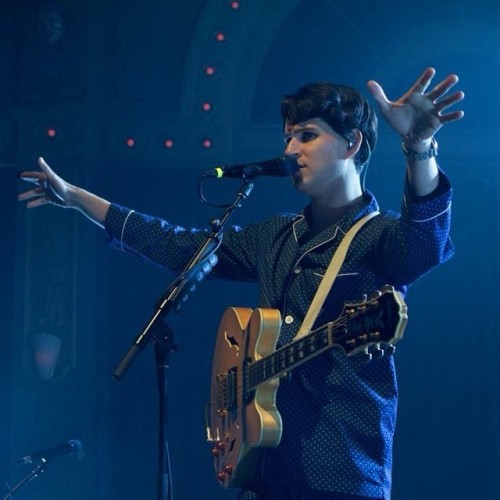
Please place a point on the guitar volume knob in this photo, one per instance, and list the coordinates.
(218, 448)
(228, 469)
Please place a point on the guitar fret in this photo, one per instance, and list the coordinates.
(285, 358)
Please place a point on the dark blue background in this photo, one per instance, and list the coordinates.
(137, 70)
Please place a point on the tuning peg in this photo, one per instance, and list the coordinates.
(365, 355)
(377, 352)
(390, 349)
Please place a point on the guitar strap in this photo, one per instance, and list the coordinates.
(330, 275)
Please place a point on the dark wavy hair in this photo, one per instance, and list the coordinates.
(342, 107)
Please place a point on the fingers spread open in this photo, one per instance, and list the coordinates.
(442, 87)
(424, 80)
(38, 202)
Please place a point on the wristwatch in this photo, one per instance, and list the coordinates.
(424, 155)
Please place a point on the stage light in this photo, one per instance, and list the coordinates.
(206, 106)
(209, 70)
(51, 132)
(220, 37)
(235, 5)
(46, 348)
(130, 142)
(207, 143)
(169, 143)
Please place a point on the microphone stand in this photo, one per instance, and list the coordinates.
(26, 479)
(200, 265)
(163, 348)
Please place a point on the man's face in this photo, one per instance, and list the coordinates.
(321, 154)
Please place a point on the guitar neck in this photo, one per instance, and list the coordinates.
(379, 320)
(290, 356)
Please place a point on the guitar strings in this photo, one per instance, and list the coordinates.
(257, 369)
(279, 361)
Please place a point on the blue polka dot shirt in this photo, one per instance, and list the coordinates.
(338, 412)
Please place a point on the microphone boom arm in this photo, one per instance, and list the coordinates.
(177, 290)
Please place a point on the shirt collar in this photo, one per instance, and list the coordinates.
(303, 222)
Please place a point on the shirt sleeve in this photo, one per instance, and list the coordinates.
(172, 246)
(150, 237)
(419, 239)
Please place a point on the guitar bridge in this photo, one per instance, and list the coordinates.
(226, 391)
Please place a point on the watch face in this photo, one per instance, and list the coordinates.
(424, 155)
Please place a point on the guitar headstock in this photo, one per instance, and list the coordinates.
(376, 323)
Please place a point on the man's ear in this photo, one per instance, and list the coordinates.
(354, 143)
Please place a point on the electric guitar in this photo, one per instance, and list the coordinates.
(242, 416)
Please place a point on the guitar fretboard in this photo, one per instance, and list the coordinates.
(288, 357)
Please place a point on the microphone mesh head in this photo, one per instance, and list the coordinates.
(77, 448)
(290, 165)
(283, 166)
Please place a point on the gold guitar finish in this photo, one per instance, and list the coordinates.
(242, 416)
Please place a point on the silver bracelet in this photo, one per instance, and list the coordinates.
(424, 155)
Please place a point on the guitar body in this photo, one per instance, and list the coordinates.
(237, 424)
(242, 416)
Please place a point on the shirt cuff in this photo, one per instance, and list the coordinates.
(424, 208)
(115, 224)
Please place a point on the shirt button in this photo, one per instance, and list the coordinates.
(297, 270)
(288, 319)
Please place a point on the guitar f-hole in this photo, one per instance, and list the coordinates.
(231, 340)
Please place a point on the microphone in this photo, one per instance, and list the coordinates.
(70, 448)
(282, 166)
